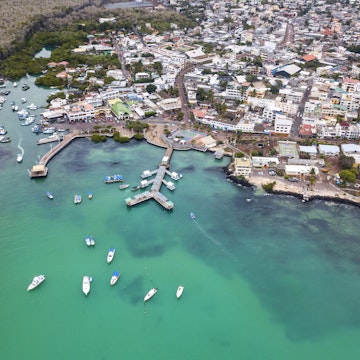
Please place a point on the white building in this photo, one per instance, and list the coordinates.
(282, 125)
(243, 167)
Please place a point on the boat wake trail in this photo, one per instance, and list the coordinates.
(21, 148)
(215, 241)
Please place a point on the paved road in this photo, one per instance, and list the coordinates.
(299, 116)
(179, 83)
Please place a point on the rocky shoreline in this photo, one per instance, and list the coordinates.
(281, 187)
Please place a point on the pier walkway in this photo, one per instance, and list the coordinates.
(155, 193)
(61, 145)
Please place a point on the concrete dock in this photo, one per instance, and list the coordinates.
(155, 193)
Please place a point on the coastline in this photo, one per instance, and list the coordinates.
(319, 191)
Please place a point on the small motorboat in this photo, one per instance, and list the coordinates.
(92, 241)
(19, 158)
(77, 199)
(192, 215)
(86, 284)
(110, 255)
(179, 291)
(88, 241)
(90, 195)
(150, 294)
(114, 278)
(32, 106)
(37, 280)
(49, 195)
(124, 186)
(23, 100)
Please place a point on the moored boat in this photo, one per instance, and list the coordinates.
(179, 291)
(114, 278)
(77, 199)
(19, 158)
(86, 284)
(37, 280)
(90, 195)
(110, 255)
(88, 241)
(150, 294)
(92, 241)
(124, 186)
(49, 195)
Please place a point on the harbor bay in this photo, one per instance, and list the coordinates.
(269, 278)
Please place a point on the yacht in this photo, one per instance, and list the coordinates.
(114, 278)
(150, 294)
(86, 284)
(110, 255)
(37, 280)
(179, 291)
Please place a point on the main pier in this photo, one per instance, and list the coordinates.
(155, 193)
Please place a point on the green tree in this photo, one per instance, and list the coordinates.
(151, 88)
(347, 176)
(346, 162)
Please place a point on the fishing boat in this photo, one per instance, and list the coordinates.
(110, 255)
(77, 199)
(19, 158)
(150, 294)
(179, 291)
(90, 195)
(124, 186)
(37, 280)
(192, 215)
(86, 283)
(114, 278)
(49, 195)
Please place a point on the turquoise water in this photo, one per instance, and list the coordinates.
(268, 279)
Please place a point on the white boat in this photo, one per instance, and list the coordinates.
(150, 294)
(179, 291)
(86, 284)
(15, 84)
(23, 100)
(32, 106)
(90, 195)
(49, 130)
(30, 120)
(19, 158)
(49, 195)
(92, 241)
(49, 139)
(3, 131)
(192, 215)
(124, 186)
(110, 255)
(88, 241)
(114, 278)
(37, 280)
(77, 199)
